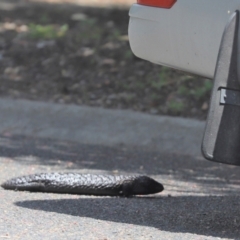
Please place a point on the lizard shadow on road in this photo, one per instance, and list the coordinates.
(217, 216)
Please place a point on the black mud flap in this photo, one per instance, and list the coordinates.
(221, 141)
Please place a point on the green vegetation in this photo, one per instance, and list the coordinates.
(116, 34)
(198, 92)
(88, 30)
(128, 54)
(183, 91)
(176, 106)
(44, 19)
(37, 31)
(139, 85)
(162, 80)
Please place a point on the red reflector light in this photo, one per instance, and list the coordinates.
(157, 3)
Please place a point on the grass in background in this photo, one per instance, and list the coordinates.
(38, 31)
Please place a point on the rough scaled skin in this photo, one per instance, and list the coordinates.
(87, 184)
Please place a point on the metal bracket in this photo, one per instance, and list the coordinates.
(230, 97)
(221, 141)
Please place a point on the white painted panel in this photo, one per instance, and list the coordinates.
(186, 37)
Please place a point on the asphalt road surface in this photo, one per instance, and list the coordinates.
(201, 199)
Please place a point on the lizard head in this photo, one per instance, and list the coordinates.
(142, 185)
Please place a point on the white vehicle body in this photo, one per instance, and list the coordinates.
(187, 36)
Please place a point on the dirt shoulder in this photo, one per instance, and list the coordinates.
(81, 55)
(98, 3)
